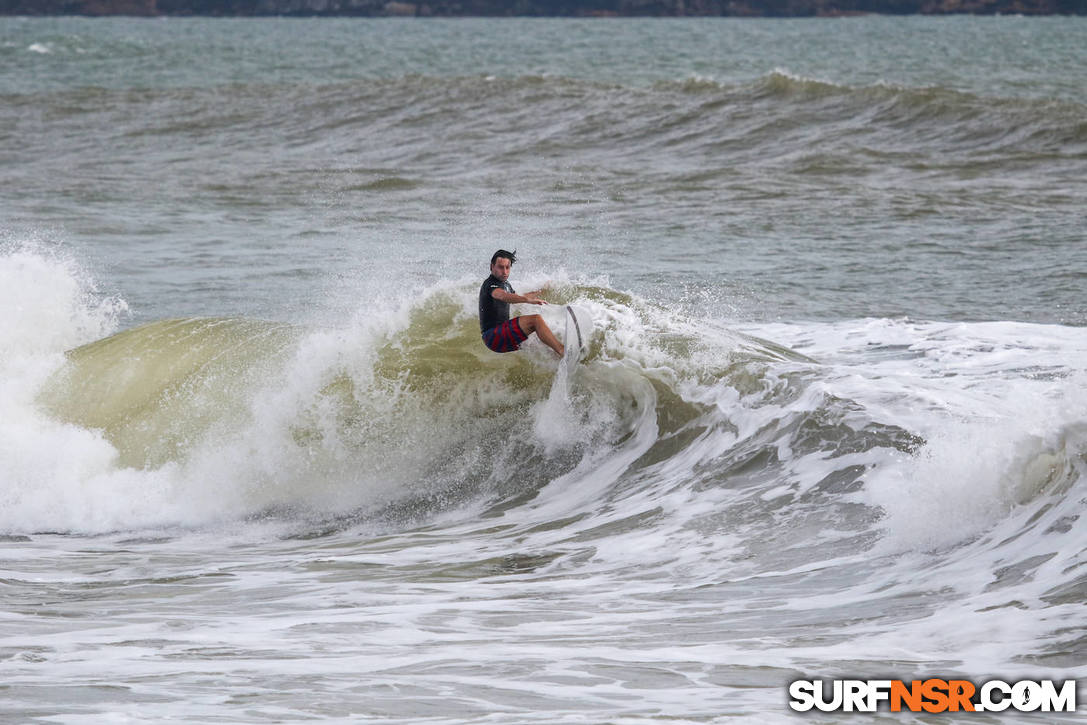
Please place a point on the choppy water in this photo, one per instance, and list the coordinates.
(255, 464)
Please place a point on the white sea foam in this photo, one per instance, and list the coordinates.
(49, 304)
(1000, 408)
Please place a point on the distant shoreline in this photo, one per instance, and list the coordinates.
(538, 8)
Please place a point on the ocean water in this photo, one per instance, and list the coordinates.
(256, 465)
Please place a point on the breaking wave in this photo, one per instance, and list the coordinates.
(399, 417)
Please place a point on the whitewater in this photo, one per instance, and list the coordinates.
(257, 466)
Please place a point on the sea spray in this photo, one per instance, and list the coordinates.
(51, 303)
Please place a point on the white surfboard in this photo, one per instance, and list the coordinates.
(578, 332)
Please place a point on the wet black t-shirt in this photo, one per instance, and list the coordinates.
(491, 311)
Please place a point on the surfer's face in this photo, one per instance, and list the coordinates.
(501, 269)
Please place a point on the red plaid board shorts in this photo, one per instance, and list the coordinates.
(505, 337)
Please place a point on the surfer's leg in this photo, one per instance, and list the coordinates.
(535, 323)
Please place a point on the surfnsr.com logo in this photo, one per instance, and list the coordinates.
(932, 695)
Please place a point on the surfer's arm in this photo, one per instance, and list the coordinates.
(515, 299)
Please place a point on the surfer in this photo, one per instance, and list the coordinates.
(500, 333)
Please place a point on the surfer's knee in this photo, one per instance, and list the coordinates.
(540, 322)
(529, 323)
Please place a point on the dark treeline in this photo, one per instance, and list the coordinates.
(574, 8)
